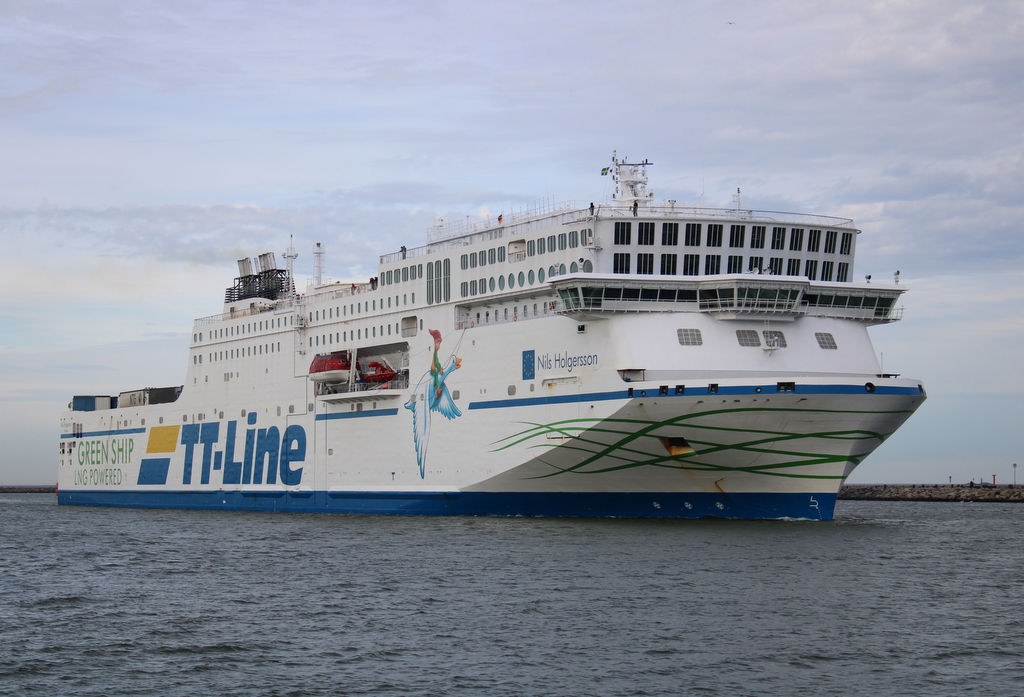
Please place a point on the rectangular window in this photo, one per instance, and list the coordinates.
(430, 284)
(668, 264)
(492, 256)
(748, 337)
(737, 235)
(551, 243)
(501, 254)
(574, 239)
(778, 238)
(735, 264)
(645, 233)
(689, 337)
(541, 246)
(691, 264)
(623, 233)
(846, 246)
(813, 240)
(472, 287)
(793, 267)
(843, 272)
(561, 242)
(796, 239)
(826, 270)
(775, 266)
(472, 262)
(712, 263)
(830, 242)
(714, 236)
(464, 289)
(756, 264)
(811, 269)
(826, 340)
(692, 235)
(670, 234)
(531, 248)
(464, 261)
(483, 258)
(645, 263)
(757, 234)
(620, 263)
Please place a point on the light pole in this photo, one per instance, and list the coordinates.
(1014, 474)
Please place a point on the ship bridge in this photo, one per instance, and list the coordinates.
(726, 297)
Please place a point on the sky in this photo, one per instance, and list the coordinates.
(146, 146)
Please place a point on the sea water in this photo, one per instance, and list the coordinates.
(888, 599)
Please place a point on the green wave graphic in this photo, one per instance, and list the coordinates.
(624, 439)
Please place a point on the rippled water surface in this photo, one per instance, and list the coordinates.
(888, 599)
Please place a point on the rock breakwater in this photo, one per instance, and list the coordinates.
(932, 492)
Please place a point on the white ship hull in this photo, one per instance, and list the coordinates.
(568, 384)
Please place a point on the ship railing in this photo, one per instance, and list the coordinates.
(743, 214)
(468, 319)
(244, 312)
(399, 382)
(461, 233)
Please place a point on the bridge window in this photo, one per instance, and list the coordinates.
(645, 262)
(645, 233)
(692, 235)
(623, 232)
(714, 236)
(670, 234)
(813, 240)
(737, 235)
(620, 263)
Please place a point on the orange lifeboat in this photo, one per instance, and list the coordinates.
(331, 368)
(378, 372)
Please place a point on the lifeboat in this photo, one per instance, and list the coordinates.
(331, 368)
(379, 372)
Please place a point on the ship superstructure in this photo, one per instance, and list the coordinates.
(625, 359)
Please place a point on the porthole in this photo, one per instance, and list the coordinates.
(869, 387)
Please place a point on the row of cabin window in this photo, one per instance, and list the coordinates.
(737, 237)
(244, 352)
(483, 258)
(486, 318)
(357, 308)
(357, 334)
(484, 285)
(406, 273)
(240, 329)
(622, 263)
(541, 245)
(750, 338)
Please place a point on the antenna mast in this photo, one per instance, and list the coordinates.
(290, 255)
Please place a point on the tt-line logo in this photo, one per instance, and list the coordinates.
(266, 453)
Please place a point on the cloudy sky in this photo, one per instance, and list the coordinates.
(147, 145)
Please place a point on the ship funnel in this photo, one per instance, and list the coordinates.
(268, 261)
(244, 267)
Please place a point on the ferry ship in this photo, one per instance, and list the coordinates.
(631, 358)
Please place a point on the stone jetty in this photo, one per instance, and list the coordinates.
(932, 492)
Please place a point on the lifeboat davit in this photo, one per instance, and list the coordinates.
(331, 368)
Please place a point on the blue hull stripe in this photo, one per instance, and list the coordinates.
(817, 506)
(96, 434)
(692, 392)
(356, 414)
